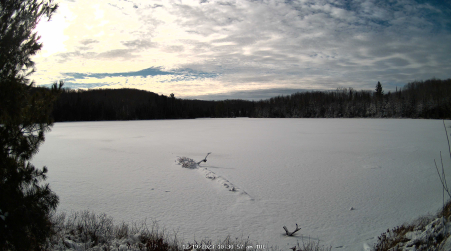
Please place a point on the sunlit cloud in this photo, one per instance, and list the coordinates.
(243, 46)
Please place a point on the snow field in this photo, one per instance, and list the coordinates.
(285, 171)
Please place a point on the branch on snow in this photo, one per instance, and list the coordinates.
(291, 233)
(205, 159)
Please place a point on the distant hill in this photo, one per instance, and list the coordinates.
(133, 104)
(420, 99)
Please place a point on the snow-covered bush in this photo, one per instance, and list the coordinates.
(310, 245)
(187, 162)
(86, 231)
(190, 163)
(425, 233)
(83, 231)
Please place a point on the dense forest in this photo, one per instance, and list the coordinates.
(420, 99)
(133, 104)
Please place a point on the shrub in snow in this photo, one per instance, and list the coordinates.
(86, 231)
(310, 245)
(426, 233)
(190, 163)
(187, 162)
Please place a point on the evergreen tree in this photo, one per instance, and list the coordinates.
(25, 203)
(379, 92)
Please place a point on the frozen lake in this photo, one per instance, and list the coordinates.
(285, 171)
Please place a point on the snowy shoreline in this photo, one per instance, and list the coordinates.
(82, 231)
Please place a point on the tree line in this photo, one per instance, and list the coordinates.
(133, 104)
(419, 99)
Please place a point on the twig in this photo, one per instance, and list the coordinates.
(446, 131)
(291, 233)
(205, 159)
(441, 176)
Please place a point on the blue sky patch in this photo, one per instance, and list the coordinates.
(183, 74)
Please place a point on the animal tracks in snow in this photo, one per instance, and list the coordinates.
(221, 180)
(191, 164)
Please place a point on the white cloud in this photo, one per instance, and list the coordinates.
(255, 44)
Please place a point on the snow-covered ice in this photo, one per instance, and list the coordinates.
(344, 181)
(191, 164)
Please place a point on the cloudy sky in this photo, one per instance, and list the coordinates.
(246, 49)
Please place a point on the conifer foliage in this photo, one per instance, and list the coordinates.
(378, 91)
(25, 203)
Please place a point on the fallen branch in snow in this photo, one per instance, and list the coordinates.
(190, 163)
(204, 160)
(291, 233)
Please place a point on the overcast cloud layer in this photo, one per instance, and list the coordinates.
(248, 49)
